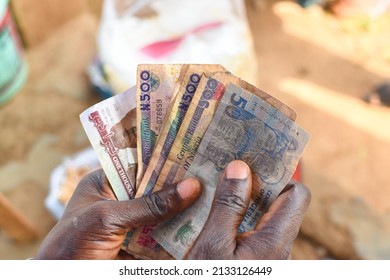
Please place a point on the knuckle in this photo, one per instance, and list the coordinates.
(230, 199)
(157, 206)
(102, 216)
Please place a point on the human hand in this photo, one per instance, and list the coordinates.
(95, 224)
(273, 236)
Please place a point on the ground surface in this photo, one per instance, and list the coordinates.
(319, 65)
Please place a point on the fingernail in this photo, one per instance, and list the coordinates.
(237, 169)
(188, 188)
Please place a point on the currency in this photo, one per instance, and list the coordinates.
(244, 127)
(157, 85)
(182, 121)
(184, 148)
(111, 128)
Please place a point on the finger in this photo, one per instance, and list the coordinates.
(156, 208)
(290, 207)
(279, 227)
(218, 237)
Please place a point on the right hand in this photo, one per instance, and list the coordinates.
(273, 236)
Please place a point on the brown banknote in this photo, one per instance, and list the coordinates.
(157, 85)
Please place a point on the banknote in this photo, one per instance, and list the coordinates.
(244, 127)
(200, 113)
(111, 128)
(157, 85)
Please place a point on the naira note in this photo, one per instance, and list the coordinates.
(244, 127)
(111, 127)
(157, 85)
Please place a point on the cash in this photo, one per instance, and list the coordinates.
(209, 117)
(179, 158)
(112, 130)
(140, 241)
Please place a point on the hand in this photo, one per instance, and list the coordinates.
(95, 224)
(273, 236)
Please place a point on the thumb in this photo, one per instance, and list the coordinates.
(217, 240)
(157, 207)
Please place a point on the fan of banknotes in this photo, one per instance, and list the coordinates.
(191, 120)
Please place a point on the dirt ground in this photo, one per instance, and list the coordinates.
(318, 64)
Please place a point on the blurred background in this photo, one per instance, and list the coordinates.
(328, 60)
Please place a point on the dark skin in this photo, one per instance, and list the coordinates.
(94, 224)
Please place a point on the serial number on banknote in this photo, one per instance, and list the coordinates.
(159, 113)
(244, 270)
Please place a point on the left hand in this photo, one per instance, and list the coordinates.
(95, 224)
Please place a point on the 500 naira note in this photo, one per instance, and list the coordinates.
(157, 85)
